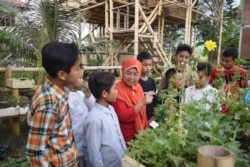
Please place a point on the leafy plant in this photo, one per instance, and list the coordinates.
(9, 100)
(21, 162)
(185, 128)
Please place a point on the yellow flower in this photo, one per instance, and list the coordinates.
(210, 45)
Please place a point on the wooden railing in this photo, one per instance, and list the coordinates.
(12, 115)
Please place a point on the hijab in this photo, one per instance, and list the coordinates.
(133, 95)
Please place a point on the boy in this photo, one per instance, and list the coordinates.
(182, 56)
(174, 80)
(230, 70)
(201, 92)
(50, 138)
(234, 77)
(104, 142)
(80, 104)
(147, 83)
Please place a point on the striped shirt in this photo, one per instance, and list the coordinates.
(50, 137)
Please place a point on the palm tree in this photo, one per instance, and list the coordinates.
(45, 21)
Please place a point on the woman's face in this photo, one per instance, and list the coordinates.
(131, 76)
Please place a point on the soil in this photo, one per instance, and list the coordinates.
(16, 143)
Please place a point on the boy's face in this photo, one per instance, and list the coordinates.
(227, 62)
(178, 80)
(131, 76)
(74, 77)
(147, 65)
(201, 80)
(111, 97)
(183, 58)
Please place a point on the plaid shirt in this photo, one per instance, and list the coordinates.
(50, 138)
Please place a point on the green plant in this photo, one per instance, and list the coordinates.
(95, 62)
(185, 128)
(20, 162)
(9, 100)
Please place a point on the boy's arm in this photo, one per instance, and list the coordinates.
(90, 102)
(39, 131)
(93, 141)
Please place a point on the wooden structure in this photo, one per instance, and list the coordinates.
(129, 26)
(245, 31)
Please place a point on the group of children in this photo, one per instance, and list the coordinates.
(92, 129)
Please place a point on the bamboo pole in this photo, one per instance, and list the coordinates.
(136, 28)
(188, 21)
(111, 22)
(220, 31)
(90, 7)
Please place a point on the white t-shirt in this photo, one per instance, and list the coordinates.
(206, 96)
(79, 109)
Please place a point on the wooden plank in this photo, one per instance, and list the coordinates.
(13, 112)
(36, 69)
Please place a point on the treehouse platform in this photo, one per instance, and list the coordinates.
(129, 26)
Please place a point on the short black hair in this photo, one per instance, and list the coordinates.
(99, 82)
(231, 52)
(204, 67)
(58, 56)
(168, 75)
(143, 55)
(184, 47)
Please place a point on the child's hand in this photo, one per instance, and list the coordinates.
(87, 91)
(148, 98)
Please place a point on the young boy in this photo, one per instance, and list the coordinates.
(183, 56)
(104, 142)
(201, 92)
(233, 76)
(147, 83)
(174, 80)
(79, 104)
(50, 138)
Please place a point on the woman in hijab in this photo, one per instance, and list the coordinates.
(131, 102)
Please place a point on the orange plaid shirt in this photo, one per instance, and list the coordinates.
(50, 137)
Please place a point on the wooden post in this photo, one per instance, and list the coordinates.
(136, 28)
(13, 122)
(215, 156)
(7, 74)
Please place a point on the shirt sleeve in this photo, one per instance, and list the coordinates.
(184, 97)
(90, 102)
(40, 127)
(212, 77)
(93, 140)
(124, 113)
